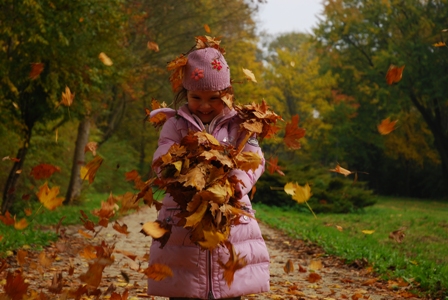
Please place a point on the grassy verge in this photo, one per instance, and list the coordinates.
(36, 235)
(421, 257)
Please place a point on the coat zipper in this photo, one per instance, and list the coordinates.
(209, 258)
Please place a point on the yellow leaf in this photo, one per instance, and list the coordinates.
(67, 97)
(299, 193)
(20, 225)
(48, 197)
(340, 170)
(249, 75)
(212, 239)
(439, 44)
(105, 59)
(368, 231)
(248, 161)
(153, 229)
(196, 217)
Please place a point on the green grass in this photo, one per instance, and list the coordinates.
(422, 256)
(39, 233)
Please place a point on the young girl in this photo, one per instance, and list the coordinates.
(196, 272)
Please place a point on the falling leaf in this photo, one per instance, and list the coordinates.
(341, 170)
(234, 263)
(274, 167)
(153, 46)
(36, 69)
(386, 126)
(394, 74)
(92, 147)
(158, 272)
(439, 44)
(44, 171)
(250, 76)
(299, 193)
(9, 158)
(7, 219)
(85, 234)
(315, 264)
(339, 228)
(121, 228)
(368, 231)
(293, 133)
(207, 28)
(154, 229)
(288, 267)
(105, 59)
(67, 97)
(398, 235)
(15, 286)
(48, 197)
(88, 171)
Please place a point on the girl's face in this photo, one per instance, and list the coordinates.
(205, 104)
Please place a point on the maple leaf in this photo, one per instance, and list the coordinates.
(398, 235)
(234, 263)
(439, 44)
(153, 46)
(293, 133)
(158, 272)
(211, 239)
(247, 161)
(116, 296)
(48, 197)
(105, 59)
(197, 215)
(92, 147)
(195, 178)
(154, 229)
(341, 170)
(15, 286)
(386, 126)
(313, 277)
(107, 209)
(44, 171)
(88, 224)
(273, 166)
(88, 171)
(36, 69)
(288, 267)
(394, 74)
(249, 75)
(301, 194)
(121, 228)
(67, 97)
(7, 219)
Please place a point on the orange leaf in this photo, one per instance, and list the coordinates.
(44, 171)
(85, 234)
(67, 97)
(394, 74)
(153, 229)
(105, 59)
(386, 126)
(88, 171)
(48, 197)
(121, 228)
(21, 256)
(207, 28)
(293, 133)
(7, 219)
(20, 225)
(153, 46)
(273, 166)
(36, 69)
(234, 263)
(158, 272)
(92, 147)
(341, 170)
(313, 277)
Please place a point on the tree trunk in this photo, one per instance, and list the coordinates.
(10, 186)
(74, 187)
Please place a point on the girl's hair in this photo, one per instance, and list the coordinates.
(181, 95)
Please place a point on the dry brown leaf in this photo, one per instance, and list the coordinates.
(158, 272)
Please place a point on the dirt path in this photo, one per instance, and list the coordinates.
(313, 274)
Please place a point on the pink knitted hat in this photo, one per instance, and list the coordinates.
(206, 70)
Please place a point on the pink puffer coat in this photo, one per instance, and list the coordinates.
(196, 272)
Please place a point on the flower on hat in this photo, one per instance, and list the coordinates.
(216, 64)
(197, 74)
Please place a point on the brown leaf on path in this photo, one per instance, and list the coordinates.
(158, 272)
(302, 269)
(36, 69)
(15, 286)
(394, 74)
(289, 267)
(21, 257)
(44, 260)
(85, 234)
(386, 126)
(370, 281)
(116, 296)
(56, 284)
(315, 264)
(44, 171)
(293, 133)
(313, 277)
